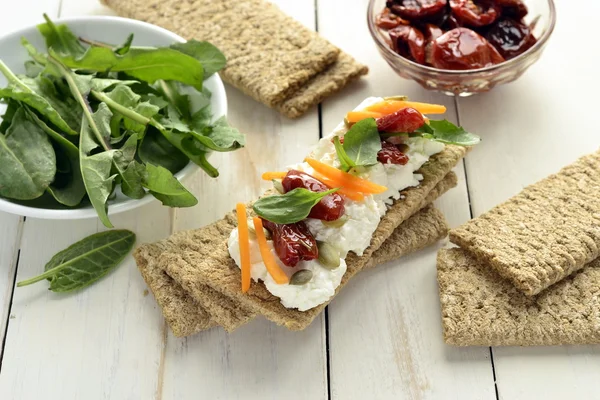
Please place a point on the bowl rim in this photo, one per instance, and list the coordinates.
(10, 207)
(373, 30)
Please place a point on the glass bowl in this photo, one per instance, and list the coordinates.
(468, 82)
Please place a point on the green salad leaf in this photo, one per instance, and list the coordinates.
(345, 161)
(61, 39)
(446, 132)
(86, 261)
(166, 188)
(290, 207)
(209, 56)
(361, 145)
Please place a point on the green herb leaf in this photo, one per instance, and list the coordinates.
(11, 108)
(60, 38)
(86, 261)
(209, 56)
(446, 132)
(131, 185)
(33, 52)
(181, 102)
(32, 69)
(289, 208)
(102, 84)
(166, 188)
(156, 149)
(27, 158)
(362, 142)
(124, 48)
(146, 64)
(345, 161)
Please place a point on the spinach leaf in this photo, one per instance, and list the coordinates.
(345, 162)
(362, 142)
(166, 188)
(86, 261)
(43, 102)
(156, 149)
(61, 39)
(209, 56)
(289, 208)
(131, 185)
(146, 64)
(446, 132)
(27, 158)
(71, 190)
(11, 108)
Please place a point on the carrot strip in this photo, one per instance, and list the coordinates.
(344, 179)
(391, 106)
(356, 196)
(272, 267)
(244, 243)
(268, 176)
(355, 116)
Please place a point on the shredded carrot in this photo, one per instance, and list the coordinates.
(268, 176)
(391, 106)
(272, 267)
(352, 195)
(244, 238)
(355, 116)
(344, 179)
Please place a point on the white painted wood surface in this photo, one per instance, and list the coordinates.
(383, 338)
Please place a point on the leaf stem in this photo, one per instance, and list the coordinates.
(13, 78)
(94, 43)
(124, 110)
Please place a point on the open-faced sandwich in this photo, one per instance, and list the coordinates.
(287, 254)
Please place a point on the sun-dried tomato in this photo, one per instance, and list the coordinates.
(415, 9)
(513, 8)
(510, 37)
(409, 42)
(461, 49)
(475, 13)
(330, 208)
(391, 154)
(404, 120)
(388, 20)
(292, 242)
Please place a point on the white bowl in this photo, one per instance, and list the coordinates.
(109, 30)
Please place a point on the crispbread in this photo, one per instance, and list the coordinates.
(202, 257)
(269, 54)
(548, 231)
(480, 308)
(333, 79)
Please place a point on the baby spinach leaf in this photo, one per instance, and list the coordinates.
(345, 162)
(86, 261)
(27, 159)
(209, 56)
(156, 149)
(289, 208)
(18, 90)
(362, 142)
(61, 39)
(166, 188)
(146, 64)
(446, 132)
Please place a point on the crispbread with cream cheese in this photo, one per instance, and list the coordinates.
(543, 234)
(480, 308)
(270, 56)
(202, 257)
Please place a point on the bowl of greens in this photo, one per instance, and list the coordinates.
(104, 114)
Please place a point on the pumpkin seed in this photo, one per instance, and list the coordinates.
(403, 148)
(396, 98)
(278, 186)
(338, 223)
(301, 277)
(329, 257)
(252, 231)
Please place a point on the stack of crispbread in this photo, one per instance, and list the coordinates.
(270, 56)
(197, 284)
(528, 271)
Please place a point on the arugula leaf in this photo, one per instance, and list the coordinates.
(156, 149)
(345, 161)
(124, 96)
(362, 142)
(165, 187)
(209, 56)
(32, 69)
(86, 261)
(146, 64)
(61, 39)
(124, 48)
(27, 158)
(181, 102)
(33, 52)
(102, 84)
(446, 132)
(288, 208)
(131, 186)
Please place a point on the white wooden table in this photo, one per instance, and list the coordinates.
(381, 337)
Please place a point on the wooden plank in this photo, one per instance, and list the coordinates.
(385, 335)
(103, 342)
(261, 360)
(10, 238)
(529, 132)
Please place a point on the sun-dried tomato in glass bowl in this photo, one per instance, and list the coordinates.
(461, 47)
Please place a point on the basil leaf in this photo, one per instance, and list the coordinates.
(345, 161)
(146, 64)
(27, 158)
(362, 142)
(209, 56)
(165, 187)
(289, 208)
(86, 261)
(446, 132)
(60, 38)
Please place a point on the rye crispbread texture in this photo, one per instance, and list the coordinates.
(202, 258)
(543, 234)
(480, 308)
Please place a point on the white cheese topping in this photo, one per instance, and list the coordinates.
(355, 235)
